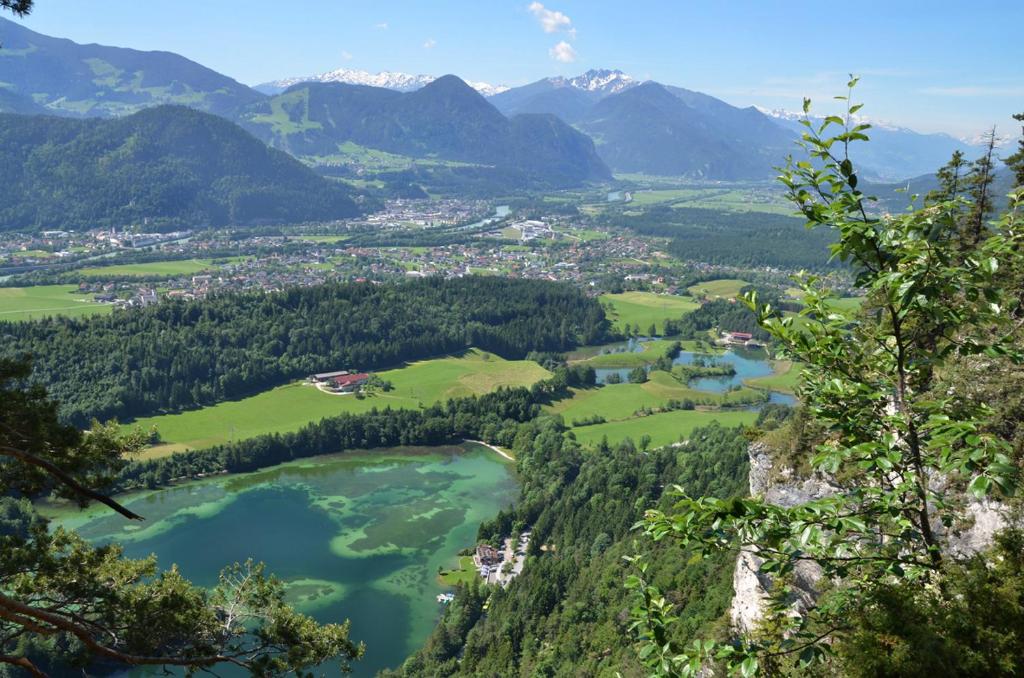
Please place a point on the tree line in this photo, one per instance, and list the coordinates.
(180, 354)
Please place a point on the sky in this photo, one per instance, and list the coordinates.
(938, 66)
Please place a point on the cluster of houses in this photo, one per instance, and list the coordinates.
(342, 381)
(744, 339)
(501, 567)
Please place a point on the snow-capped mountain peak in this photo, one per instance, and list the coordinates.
(402, 82)
(603, 80)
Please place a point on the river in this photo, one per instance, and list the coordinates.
(356, 536)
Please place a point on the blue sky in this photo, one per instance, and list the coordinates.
(946, 66)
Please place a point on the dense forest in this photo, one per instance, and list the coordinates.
(184, 354)
(163, 168)
(568, 614)
(733, 238)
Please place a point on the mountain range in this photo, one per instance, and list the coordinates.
(894, 152)
(444, 120)
(533, 135)
(401, 82)
(66, 78)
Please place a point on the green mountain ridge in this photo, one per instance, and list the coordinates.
(161, 168)
(445, 120)
(67, 78)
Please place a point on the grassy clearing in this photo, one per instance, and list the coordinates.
(660, 196)
(784, 379)
(154, 268)
(738, 198)
(288, 408)
(32, 303)
(728, 288)
(617, 402)
(464, 574)
(645, 308)
(664, 428)
(324, 238)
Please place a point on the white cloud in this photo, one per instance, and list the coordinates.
(430, 43)
(563, 52)
(550, 20)
(346, 55)
(382, 26)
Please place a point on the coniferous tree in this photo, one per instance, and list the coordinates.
(1016, 161)
(951, 179)
(979, 187)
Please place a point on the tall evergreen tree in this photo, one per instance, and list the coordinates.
(951, 179)
(1016, 161)
(979, 188)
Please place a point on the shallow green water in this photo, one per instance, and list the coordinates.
(355, 536)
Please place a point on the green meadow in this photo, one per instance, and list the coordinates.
(783, 380)
(288, 408)
(155, 268)
(645, 308)
(32, 303)
(465, 573)
(621, 401)
(718, 289)
(664, 428)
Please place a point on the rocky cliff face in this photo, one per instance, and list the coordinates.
(780, 486)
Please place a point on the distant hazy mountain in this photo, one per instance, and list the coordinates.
(162, 167)
(656, 129)
(401, 82)
(895, 196)
(568, 98)
(92, 80)
(444, 120)
(647, 132)
(894, 153)
(650, 129)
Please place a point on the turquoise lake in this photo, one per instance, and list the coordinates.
(356, 536)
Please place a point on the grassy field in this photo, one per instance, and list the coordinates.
(31, 303)
(181, 267)
(288, 408)
(645, 308)
(324, 238)
(616, 402)
(668, 195)
(725, 289)
(783, 380)
(465, 573)
(735, 198)
(664, 429)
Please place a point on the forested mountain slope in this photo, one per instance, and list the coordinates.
(94, 80)
(568, 614)
(445, 120)
(163, 167)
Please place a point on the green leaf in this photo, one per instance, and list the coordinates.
(979, 487)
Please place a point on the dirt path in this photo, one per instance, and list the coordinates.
(492, 447)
